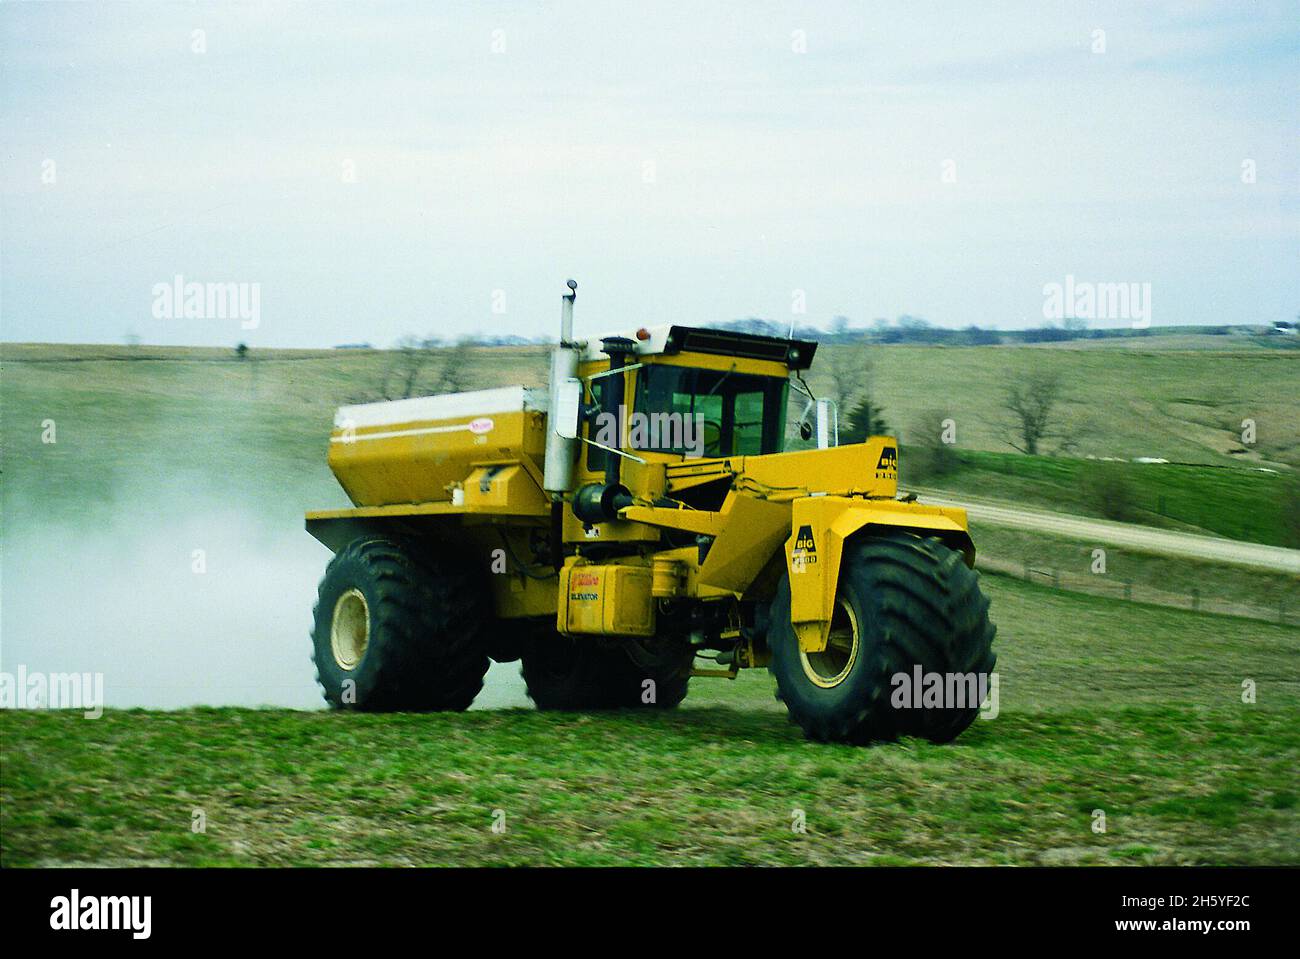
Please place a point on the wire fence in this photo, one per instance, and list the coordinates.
(1282, 612)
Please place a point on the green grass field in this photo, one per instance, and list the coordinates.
(1136, 711)
(1181, 405)
(1226, 501)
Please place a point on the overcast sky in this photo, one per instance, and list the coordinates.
(381, 168)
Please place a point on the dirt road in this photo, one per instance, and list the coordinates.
(1145, 538)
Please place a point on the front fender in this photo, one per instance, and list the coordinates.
(821, 525)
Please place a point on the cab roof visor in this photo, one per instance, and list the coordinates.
(796, 354)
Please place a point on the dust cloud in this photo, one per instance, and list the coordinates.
(179, 593)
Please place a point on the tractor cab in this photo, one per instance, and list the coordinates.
(688, 393)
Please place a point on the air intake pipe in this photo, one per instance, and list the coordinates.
(618, 349)
(598, 502)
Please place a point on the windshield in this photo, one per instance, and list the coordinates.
(740, 414)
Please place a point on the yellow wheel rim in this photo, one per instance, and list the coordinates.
(829, 667)
(350, 629)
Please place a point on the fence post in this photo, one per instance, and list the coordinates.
(1056, 578)
(1196, 599)
(1128, 590)
(1026, 570)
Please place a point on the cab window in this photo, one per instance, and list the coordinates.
(739, 414)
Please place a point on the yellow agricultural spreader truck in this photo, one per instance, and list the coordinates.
(637, 523)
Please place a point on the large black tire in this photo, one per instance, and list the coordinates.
(420, 647)
(909, 602)
(565, 673)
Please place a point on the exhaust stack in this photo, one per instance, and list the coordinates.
(561, 450)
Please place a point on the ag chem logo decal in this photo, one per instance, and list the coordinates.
(888, 459)
(805, 549)
(804, 541)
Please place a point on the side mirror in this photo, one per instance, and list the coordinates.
(805, 424)
(568, 407)
(828, 424)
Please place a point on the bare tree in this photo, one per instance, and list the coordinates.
(850, 388)
(1032, 403)
(452, 374)
(1106, 488)
(422, 367)
(929, 449)
(850, 376)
